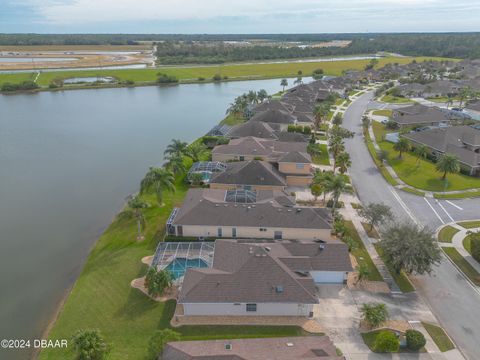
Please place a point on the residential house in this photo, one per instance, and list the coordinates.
(280, 117)
(421, 115)
(289, 348)
(249, 175)
(291, 158)
(264, 130)
(473, 109)
(461, 141)
(263, 279)
(264, 214)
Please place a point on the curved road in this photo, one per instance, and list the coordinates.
(452, 299)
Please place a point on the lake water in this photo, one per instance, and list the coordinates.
(67, 162)
(88, 79)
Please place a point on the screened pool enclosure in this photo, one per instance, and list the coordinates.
(177, 257)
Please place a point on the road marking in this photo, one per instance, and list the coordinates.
(446, 212)
(436, 213)
(454, 205)
(403, 205)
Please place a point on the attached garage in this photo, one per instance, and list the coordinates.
(328, 277)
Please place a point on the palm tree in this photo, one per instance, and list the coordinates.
(316, 190)
(298, 80)
(262, 95)
(284, 83)
(338, 186)
(336, 146)
(196, 150)
(362, 273)
(135, 210)
(175, 164)
(343, 162)
(320, 112)
(323, 178)
(448, 164)
(401, 146)
(177, 147)
(252, 97)
(158, 180)
(464, 94)
(421, 151)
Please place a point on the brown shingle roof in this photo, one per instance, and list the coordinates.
(298, 348)
(252, 146)
(249, 173)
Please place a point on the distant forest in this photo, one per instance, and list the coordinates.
(202, 48)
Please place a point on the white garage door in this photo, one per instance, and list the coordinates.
(328, 277)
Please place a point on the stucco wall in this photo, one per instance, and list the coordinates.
(254, 232)
(299, 180)
(291, 168)
(254, 187)
(263, 309)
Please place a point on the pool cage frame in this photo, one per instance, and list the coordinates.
(167, 252)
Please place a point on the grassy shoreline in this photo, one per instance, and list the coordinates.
(192, 74)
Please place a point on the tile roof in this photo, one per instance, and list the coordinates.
(290, 348)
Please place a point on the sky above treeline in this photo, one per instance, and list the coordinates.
(238, 16)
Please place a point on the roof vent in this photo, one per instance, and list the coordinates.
(279, 289)
(228, 346)
(289, 344)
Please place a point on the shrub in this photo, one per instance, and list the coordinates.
(166, 79)
(25, 85)
(90, 345)
(299, 128)
(158, 340)
(392, 125)
(217, 77)
(475, 246)
(129, 82)
(374, 314)
(340, 204)
(52, 86)
(201, 78)
(415, 340)
(386, 342)
(307, 130)
(291, 128)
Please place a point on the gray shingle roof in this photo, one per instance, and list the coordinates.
(450, 140)
(263, 130)
(207, 207)
(253, 146)
(249, 173)
(419, 114)
(274, 117)
(296, 157)
(298, 348)
(250, 272)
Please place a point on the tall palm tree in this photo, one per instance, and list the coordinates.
(323, 178)
(464, 95)
(175, 164)
(134, 210)
(343, 162)
(401, 146)
(320, 113)
(283, 84)
(336, 146)
(421, 151)
(177, 147)
(196, 151)
(158, 180)
(338, 186)
(252, 97)
(298, 80)
(262, 95)
(448, 163)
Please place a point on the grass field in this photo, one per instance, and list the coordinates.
(361, 254)
(233, 71)
(373, 233)
(412, 191)
(376, 160)
(401, 279)
(446, 234)
(461, 195)
(323, 159)
(463, 264)
(421, 174)
(103, 299)
(439, 337)
(383, 112)
(396, 100)
(469, 224)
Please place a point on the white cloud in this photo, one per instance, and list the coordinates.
(91, 11)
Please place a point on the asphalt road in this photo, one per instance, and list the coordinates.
(452, 299)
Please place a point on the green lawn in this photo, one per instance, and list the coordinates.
(421, 174)
(383, 112)
(103, 299)
(232, 119)
(469, 224)
(232, 71)
(446, 234)
(396, 100)
(401, 279)
(442, 99)
(467, 243)
(412, 191)
(463, 264)
(16, 77)
(361, 254)
(323, 158)
(439, 337)
(373, 152)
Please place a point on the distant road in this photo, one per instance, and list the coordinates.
(453, 300)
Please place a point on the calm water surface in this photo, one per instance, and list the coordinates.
(67, 162)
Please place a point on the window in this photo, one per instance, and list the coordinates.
(263, 229)
(242, 158)
(251, 307)
(219, 232)
(234, 232)
(299, 166)
(278, 235)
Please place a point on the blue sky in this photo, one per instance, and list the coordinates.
(240, 16)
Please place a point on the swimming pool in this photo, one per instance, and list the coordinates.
(178, 266)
